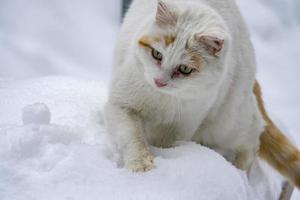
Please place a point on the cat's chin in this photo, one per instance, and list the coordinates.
(167, 90)
(176, 92)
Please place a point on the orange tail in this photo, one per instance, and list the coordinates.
(276, 148)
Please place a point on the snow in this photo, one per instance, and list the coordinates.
(37, 113)
(67, 155)
(72, 157)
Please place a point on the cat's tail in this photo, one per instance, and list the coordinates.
(276, 148)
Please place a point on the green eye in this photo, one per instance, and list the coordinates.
(185, 69)
(157, 55)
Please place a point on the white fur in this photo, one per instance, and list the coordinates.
(215, 107)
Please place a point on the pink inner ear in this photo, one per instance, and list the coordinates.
(212, 44)
(164, 15)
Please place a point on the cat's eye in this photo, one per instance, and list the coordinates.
(185, 69)
(157, 55)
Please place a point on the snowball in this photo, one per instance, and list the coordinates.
(37, 113)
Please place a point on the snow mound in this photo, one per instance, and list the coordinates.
(36, 113)
(73, 158)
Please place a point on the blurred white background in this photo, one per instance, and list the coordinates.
(76, 38)
(57, 37)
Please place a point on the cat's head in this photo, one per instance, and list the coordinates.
(182, 47)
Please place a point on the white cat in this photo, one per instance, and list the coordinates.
(184, 70)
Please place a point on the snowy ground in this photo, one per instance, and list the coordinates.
(70, 157)
(59, 149)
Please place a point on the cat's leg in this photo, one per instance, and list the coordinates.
(126, 129)
(245, 158)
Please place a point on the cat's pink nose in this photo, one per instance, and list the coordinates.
(159, 82)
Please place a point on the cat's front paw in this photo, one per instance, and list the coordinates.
(141, 164)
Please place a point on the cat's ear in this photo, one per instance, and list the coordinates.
(166, 14)
(212, 44)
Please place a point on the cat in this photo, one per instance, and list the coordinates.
(186, 70)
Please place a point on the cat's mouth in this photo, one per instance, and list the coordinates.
(160, 85)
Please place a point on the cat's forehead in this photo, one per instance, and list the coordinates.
(153, 39)
(167, 38)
